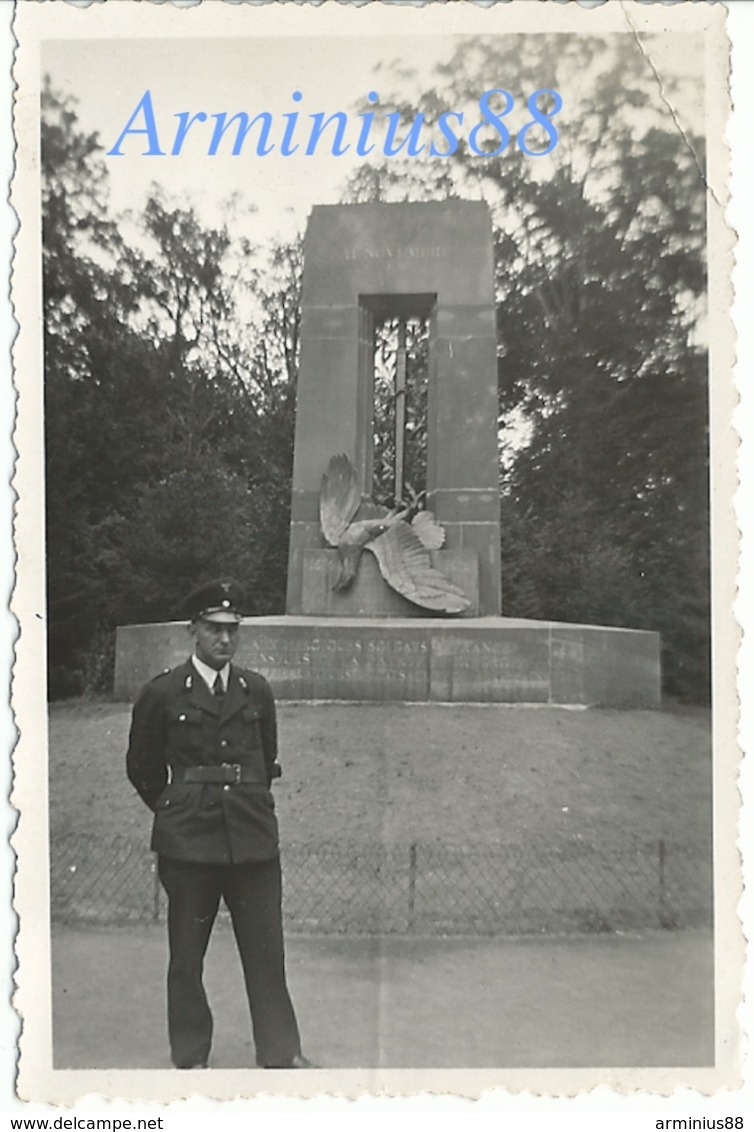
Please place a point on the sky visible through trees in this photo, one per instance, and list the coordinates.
(171, 346)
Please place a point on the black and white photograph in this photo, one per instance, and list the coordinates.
(376, 672)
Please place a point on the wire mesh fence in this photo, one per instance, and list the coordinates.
(417, 888)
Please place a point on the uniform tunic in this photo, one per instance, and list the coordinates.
(215, 841)
(178, 723)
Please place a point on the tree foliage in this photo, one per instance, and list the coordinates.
(600, 282)
(170, 371)
(416, 347)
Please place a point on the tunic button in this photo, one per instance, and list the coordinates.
(226, 787)
(223, 742)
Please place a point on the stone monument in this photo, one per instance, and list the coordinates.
(433, 262)
(368, 262)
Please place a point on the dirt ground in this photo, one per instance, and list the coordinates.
(459, 774)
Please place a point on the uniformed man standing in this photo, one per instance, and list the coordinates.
(202, 754)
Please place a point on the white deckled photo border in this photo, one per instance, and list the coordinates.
(39, 1082)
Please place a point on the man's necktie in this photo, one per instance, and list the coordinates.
(217, 688)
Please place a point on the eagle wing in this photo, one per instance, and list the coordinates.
(339, 498)
(431, 533)
(406, 566)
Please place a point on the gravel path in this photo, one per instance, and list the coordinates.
(621, 1000)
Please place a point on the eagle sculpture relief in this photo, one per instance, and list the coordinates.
(400, 540)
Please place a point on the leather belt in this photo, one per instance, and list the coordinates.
(228, 773)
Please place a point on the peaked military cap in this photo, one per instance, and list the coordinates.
(219, 600)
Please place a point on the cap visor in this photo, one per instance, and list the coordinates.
(223, 616)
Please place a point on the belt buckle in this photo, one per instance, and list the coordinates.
(236, 768)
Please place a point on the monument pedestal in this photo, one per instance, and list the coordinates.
(420, 660)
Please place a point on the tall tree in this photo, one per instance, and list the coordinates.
(86, 341)
(169, 381)
(600, 278)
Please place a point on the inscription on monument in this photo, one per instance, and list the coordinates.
(396, 252)
(517, 661)
(347, 666)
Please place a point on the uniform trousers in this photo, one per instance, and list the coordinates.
(252, 893)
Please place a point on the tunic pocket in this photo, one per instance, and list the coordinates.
(174, 796)
(185, 727)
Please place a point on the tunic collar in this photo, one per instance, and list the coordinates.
(209, 675)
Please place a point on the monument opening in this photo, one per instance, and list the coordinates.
(399, 422)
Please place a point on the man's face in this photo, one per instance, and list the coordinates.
(216, 641)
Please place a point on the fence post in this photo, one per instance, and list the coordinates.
(661, 851)
(412, 887)
(155, 894)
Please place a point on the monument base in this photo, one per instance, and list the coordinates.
(480, 660)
